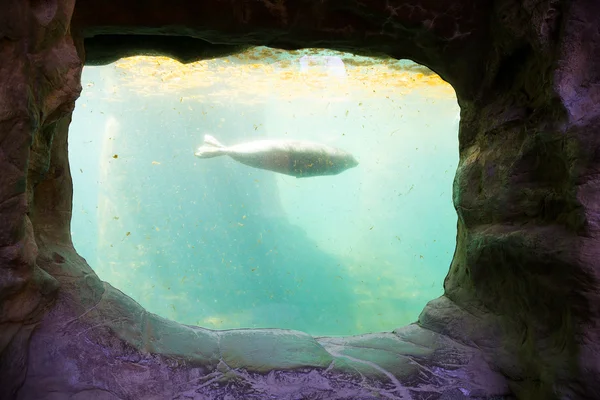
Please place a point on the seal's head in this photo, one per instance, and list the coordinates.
(351, 162)
(341, 162)
(332, 163)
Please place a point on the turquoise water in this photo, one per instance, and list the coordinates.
(215, 243)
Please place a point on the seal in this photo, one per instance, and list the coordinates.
(296, 158)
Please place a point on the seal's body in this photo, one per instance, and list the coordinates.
(296, 158)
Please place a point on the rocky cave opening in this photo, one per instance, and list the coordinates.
(519, 313)
(233, 247)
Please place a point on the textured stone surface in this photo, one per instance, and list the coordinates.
(520, 312)
(444, 35)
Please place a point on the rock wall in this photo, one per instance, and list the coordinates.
(526, 193)
(39, 82)
(520, 312)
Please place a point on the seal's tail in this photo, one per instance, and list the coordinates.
(212, 148)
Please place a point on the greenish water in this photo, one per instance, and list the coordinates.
(215, 243)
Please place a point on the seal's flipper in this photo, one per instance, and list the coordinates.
(211, 141)
(212, 148)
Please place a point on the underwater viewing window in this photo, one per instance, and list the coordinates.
(217, 243)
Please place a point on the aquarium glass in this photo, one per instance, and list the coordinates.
(219, 244)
